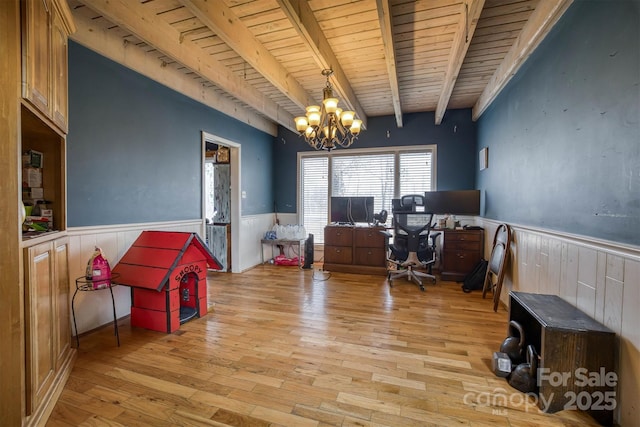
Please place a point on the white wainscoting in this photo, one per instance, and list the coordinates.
(600, 278)
(94, 309)
(252, 231)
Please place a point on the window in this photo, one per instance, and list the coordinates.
(364, 175)
(384, 174)
(314, 173)
(415, 173)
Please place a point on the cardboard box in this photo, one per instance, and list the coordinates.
(48, 214)
(31, 177)
(36, 193)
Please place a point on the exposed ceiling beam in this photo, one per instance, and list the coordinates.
(225, 24)
(304, 22)
(112, 46)
(386, 26)
(138, 20)
(534, 31)
(470, 15)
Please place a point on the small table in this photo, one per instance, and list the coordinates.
(282, 242)
(86, 285)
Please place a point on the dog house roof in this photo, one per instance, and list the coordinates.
(154, 255)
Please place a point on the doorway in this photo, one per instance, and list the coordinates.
(220, 198)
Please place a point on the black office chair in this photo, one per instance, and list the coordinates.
(414, 246)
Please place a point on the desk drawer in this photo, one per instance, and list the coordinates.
(370, 237)
(338, 236)
(451, 236)
(459, 245)
(338, 254)
(461, 262)
(370, 256)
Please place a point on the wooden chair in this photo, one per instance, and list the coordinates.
(497, 261)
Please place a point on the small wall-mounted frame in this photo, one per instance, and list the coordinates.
(223, 155)
(36, 159)
(484, 158)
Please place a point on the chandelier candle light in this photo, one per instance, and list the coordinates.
(326, 126)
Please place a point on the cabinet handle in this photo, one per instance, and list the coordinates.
(338, 251)
(369, 253)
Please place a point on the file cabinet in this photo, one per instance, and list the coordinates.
(461, 251)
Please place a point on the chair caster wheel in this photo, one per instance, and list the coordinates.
(422, 288)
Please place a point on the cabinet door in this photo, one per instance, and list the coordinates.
(39, 331)
(36, 53)
(59, 64)
(62, 324)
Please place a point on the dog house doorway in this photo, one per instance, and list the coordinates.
(221, 199)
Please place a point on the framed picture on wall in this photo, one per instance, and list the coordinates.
(223, 155)
(484, 158)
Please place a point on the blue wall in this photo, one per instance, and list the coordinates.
(564, 136)
(134, 150)
(455, 138)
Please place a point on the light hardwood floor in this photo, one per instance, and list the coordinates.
(285, 347)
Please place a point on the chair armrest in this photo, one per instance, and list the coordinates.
(386, 234)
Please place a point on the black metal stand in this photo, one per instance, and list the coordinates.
(86, 285)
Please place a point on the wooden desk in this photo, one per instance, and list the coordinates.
(353, 249)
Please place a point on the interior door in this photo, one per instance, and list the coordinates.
(218, 204)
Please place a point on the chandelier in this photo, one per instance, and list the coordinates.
(324, 127)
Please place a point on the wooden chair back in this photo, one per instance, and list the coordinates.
(497, 261)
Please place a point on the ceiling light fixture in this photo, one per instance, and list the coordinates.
(327, 126)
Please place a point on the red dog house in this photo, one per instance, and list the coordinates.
(167, 273)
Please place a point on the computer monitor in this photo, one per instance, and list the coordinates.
(352, 209)
(455, 202)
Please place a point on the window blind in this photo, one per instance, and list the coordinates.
(385, 175)
(364, 175)
(415, 173)
(314, 179)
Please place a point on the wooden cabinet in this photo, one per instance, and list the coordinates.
(576, 368)
(46, 25)
(461, 251)
(37, 135)
(338, 245)
(369, 247)
(48, 352)
(351, 249)
(36, 53)
(60, 69)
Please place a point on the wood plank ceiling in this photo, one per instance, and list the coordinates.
(260, 61)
